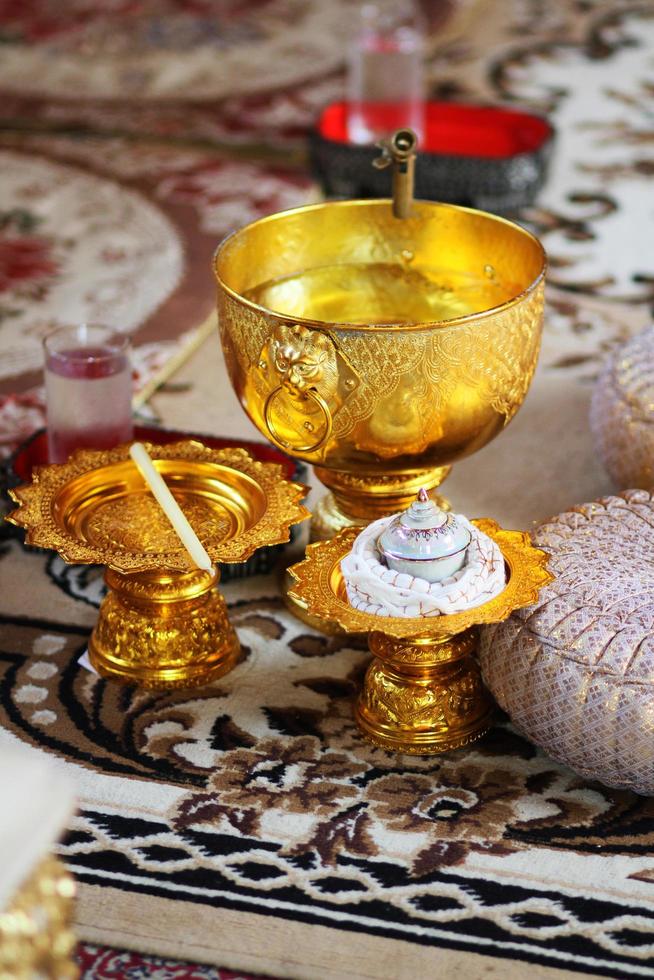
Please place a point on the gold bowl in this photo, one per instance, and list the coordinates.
(163, 623)
(379, 349)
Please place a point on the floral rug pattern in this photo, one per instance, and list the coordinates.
(125, 239)
(259, 791)
(104, 963)
(87, 253)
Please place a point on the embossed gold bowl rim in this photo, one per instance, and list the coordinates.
(319, 585)
(242, 485)
(221, 258)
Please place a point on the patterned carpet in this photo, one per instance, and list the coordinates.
(246, 826)
(104, 963)
(255, 802)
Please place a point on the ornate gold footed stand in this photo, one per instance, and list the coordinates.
(163, 623)
(423, 696)
(423, 691)
(164, 630)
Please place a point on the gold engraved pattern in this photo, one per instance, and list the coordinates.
(441, 709)
(138, 524)
(407, 651)
(437, 712)
(393, 702)
(70, 507)
(142, 643)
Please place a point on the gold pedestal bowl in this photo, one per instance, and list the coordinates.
(163, 624)
(379, 349)
(423, 692)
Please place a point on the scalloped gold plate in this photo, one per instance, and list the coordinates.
(319, 585)
(163, 623)
(423, 692)
(96, 508)
(112, 508)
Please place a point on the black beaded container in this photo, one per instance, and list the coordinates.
(490, 158)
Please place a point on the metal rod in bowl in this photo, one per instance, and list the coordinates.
(400, 151)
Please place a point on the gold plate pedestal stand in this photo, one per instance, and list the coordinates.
(176, 626)
(423, 691)
(36, 930)
(163, 624)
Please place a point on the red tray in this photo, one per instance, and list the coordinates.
(489, 157)
(460, 130)
(34, 452)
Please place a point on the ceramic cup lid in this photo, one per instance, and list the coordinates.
(423, 532)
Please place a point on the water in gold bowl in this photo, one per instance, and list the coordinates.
(380, 349)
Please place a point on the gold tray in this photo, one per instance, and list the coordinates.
(423, 692)
(96, 508)
(163, 623)
(319, 584)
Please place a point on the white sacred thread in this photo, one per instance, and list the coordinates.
(374, 588)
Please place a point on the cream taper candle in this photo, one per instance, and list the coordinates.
(170, 507)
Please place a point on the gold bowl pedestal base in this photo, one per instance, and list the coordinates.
(423, 696)
(163, 630)
(161, 625)
(355, 501)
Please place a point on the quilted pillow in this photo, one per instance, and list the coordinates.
(575, 672)
(622, 413)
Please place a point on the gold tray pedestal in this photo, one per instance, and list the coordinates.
(423, 692)
(163, 623)
(426, 694)
(164, 630)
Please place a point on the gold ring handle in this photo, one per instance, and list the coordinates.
(318, 400)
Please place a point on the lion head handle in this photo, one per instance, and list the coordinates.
(303, 358)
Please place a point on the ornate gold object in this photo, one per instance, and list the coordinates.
(36, 937)
(423, 691)
(380, 350)
(163, 623)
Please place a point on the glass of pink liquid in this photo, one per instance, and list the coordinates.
(88, 388)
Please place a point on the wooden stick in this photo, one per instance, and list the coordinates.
(175, 362)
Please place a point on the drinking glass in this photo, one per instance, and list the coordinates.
(88, 386)
(385, 82)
